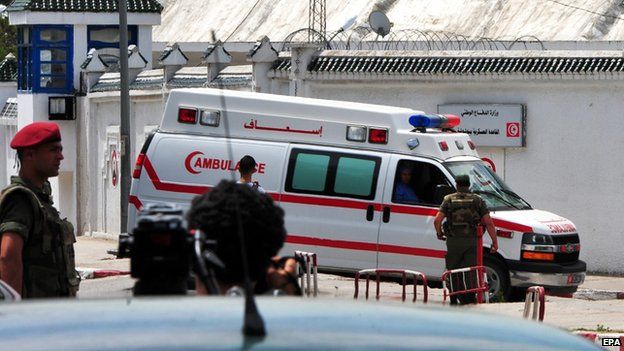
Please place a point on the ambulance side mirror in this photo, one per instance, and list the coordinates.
(441, 190)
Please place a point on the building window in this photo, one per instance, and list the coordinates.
(106, 40)
(24, 66)
(45, 59)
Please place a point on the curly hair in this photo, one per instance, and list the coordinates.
(262, 223)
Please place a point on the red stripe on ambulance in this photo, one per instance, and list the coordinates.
(321, 201)
(364, 246)
(512, 226)
(318, 201)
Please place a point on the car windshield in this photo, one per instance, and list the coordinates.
(483, 181)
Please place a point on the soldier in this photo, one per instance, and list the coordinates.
(36, 245)
(463, 211)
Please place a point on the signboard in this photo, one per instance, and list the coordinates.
(114, 165)
(490, 124)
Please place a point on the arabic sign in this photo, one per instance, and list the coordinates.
(114, 164)
(253, 124)
(490, 124)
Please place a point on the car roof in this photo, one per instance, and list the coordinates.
(197, 323)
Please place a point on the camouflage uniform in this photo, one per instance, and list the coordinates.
(48, 254)
(463, 211)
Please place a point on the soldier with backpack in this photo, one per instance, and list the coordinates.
(463, 211)
(36, 245)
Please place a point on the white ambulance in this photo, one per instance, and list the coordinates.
(360, 183)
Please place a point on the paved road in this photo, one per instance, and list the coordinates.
(560, 312)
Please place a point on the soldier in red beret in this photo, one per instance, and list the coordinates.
(36, 245)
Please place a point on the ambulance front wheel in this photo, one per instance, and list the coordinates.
(498, 279)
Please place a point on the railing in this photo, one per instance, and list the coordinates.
(403, 272)
(535, 299)
(464, 286)
(310, 273)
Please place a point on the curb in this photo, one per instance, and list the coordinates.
(608, 341)
(596, 294)
(94, 273)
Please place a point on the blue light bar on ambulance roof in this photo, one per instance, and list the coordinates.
(434, 121)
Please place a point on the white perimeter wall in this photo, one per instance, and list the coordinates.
(572, 164)
(98, 200)
(7, 90)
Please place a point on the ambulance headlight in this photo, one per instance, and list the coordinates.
(209, 118)
(533, 238)
(356, 133)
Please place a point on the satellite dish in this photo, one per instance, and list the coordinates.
(349, 23)
(379, 23)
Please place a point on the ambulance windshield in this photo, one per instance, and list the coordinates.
(483, 181)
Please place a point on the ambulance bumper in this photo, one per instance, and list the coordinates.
(549, 275)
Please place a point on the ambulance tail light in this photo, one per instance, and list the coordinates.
(356, 133)
(472, 145)
(443, 146)
(138, 166)
(434, 121)
(187, 115)
(378, 136)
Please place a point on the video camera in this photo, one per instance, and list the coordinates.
(162, 253)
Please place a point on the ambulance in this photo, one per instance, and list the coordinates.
(360, 184)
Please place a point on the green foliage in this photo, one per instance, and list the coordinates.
(8, 38)
(602, 328)
(498, 297)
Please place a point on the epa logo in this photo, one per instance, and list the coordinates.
(606, 341)
(513, 129)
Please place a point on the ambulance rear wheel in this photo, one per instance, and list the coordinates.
(498, 279)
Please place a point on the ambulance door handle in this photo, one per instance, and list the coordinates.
(386, 214)
(370, 212)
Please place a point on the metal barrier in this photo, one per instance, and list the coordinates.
(310, 272)
(481, 289)
(535, 298)
(402, 272)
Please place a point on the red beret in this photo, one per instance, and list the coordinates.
(36, 133)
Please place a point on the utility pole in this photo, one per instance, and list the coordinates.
(124, 123)
(317, 20)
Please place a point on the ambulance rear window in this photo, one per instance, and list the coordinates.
(332, 174)
(354, 176)
(311, 172)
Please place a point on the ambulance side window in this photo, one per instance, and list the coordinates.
(310, 172)
(415, 183)
(332, 174)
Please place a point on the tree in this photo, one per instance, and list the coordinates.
(8, 34)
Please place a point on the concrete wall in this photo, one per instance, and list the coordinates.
(8, 167)
(571, 163)
(7, 90)
(145, 44)
(99, 199)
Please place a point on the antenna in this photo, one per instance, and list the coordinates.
(379, 23)
(253, 324)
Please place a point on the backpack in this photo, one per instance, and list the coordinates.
(463, 214)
